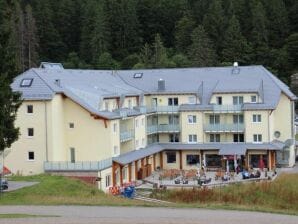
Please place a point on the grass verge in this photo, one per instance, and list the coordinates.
(59, 190)
(14, 216)
(279, 196)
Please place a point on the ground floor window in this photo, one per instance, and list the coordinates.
(213, 160)
(238, 137)
(31, 156)
(171, 157)
(258, 161)
(108, 180)
(192, 159)
(214, 137)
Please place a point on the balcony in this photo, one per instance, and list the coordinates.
(78, 166)
(163, 128)
(237, 128)
(227, 108)
(163, 109)
(126, 135)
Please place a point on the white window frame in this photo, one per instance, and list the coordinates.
(256, 118)
(251, 99)
(191, 119)
(257, 138)
(108, 180)
(116, 150)
(217, 100)
(31, 160)
(192, 138)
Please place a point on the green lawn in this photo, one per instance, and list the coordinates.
(280, 196)
(58, 190)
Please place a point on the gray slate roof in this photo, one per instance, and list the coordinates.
(224, 149)
(89, 87)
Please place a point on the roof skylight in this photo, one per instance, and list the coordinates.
(26, 82)
(138, 75)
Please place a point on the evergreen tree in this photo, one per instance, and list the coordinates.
(259, 34)
(9, 101)
(214, 24)
(105, 61)
(201, 51)
(292, 49)
(182, 30)
(145, 57)
(51, 47)
(159, 54)
(31, 40)
(235, 46)
(277, 22)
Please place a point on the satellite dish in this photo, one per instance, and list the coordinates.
(276, 134)
(289, 142)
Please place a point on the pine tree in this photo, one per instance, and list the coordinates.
(182, 30)
(9, 101)
(31, 40)
(259, 33)
(159, 54)
(214, 24)
(201, 51)
(235, 46)
(278, 26)
(145, 57)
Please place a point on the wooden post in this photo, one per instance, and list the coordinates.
(154, 162)
(147, 160)
(269, 160)
(180, 159)
(121, 175)
(201, 158)
(273, 159)
(136, 170)
(161, 160)
(142, 162)
(114, 167)
(129, 172)
(246, 163)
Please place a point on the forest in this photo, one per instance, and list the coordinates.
(132, 34)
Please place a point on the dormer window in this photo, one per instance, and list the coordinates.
(253, 99)
(26, 82)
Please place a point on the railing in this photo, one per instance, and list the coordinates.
(126, 135)
(227, 108)
(163, 109)
(151, 129)
(78, 166)
(224, 127)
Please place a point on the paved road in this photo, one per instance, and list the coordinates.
(125, 215)
(15, 185)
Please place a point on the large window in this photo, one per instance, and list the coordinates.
(213, 160)
(257, 138)
(238, 119)
(192, 159)
(253, 99)
(214, 119)
(108, 180)
(171, 157)
(214, 137)
(237, 100)
(192, 119)
(238, 137)
(258, 161)
(256, 118)
(72, 155)
(192, 138)
(173, 101)
(174, 137)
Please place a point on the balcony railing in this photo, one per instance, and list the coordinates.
(227, 108)
(78, 166)
(163, 109)
(163, 128)
(224, 127)
(126, 135)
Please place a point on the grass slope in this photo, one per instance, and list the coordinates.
(58, 190)
(279, 196)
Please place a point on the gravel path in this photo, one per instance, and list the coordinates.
(128, 215)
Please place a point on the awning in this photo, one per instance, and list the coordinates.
(232, 149)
